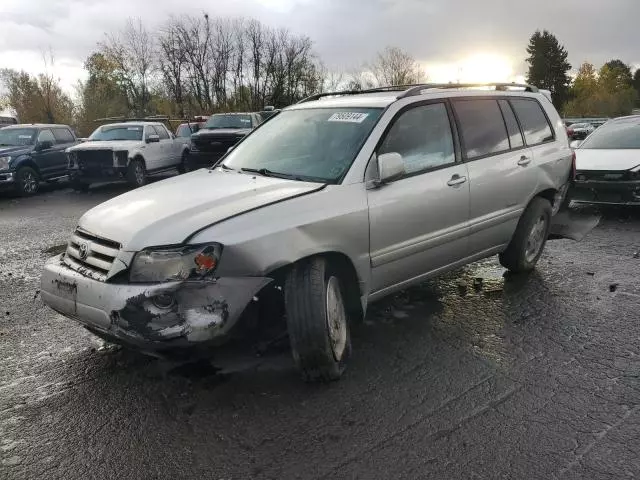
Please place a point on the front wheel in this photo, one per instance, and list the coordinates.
(27, 181)
(530, 237)
(137, 175)
(317, 320)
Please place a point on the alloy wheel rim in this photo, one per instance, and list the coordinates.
(336, 318)
(29, 183)
(536, 239)
(139, 174)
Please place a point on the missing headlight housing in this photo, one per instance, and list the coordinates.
(155, 265)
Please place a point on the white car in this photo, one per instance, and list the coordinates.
(608, 164)
(125, 151)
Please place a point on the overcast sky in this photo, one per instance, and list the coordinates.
(449, 37)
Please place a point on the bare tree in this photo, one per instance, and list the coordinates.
(394, 66)
(173, 62)
(132, 51)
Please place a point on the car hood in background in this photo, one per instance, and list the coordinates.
(593, 159)
(15, 151)
(170, 211)
(107, 145)
(204, 133)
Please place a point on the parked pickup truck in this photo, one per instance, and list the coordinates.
(32, 153)
(127, 151)
(221, 132)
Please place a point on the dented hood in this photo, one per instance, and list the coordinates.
(596, 159)
(168, 212)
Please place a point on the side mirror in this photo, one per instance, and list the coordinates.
(390, 167)
(153, 138)
(575, 144)
(44, 145)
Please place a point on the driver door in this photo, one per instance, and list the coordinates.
(152, 150)
(419, 223)
(48, 160)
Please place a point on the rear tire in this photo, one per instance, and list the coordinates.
(27, 181)
(136, 174)
(530, 237)
(317, 320)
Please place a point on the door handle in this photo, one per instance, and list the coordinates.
(524, 161)
(456, 180)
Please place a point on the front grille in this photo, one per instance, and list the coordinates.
(603, 176)
(91, 255)
(216, 144)
(94, 160)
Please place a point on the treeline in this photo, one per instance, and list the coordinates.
(611, 91)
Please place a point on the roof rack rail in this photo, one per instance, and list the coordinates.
(151, 118)
(417, 89)
(389, 88)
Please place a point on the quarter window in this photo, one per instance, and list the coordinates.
(515, 136)
(534, 123)
(482, 127)
(423, 137)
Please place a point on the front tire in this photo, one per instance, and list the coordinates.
(136, 174)
(530, 237)
(317, 320)
(27, 181)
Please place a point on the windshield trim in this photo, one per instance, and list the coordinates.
(358, 150)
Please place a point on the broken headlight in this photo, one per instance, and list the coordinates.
(175, 264)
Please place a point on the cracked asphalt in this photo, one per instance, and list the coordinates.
(475, 375)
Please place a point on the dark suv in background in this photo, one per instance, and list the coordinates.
(221, 132)
(33, 153)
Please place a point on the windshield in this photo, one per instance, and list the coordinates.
(228, 121)
(121, 132)
(14, 137)
(614, 136)
(315, 144)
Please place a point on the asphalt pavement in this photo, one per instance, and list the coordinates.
(475, 375)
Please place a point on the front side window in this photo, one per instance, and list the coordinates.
(423, 137)
(234, 121)
(15, 137)
(318, 144)
(117, 132)
(63, 136)
(46, 136)
(533, 120)
(162, 132)
(482, 127)
(185, 131)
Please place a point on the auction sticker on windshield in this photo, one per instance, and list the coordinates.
(349, 117)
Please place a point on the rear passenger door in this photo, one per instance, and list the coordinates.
(418, 223)
(497, 160)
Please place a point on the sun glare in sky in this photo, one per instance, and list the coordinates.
(477, 68)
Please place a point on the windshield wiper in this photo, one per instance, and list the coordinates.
(224, 167)
(265, 172)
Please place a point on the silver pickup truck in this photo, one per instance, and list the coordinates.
(332, 204)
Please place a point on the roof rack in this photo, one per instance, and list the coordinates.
(417, 89)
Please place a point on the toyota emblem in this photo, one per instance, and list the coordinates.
(83, 250)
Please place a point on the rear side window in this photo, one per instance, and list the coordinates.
(423, 137)
(482, 127)
(63, 135)
(515, 136)
(534, 122)
(162, 132)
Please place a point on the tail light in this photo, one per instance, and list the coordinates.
(573, 166)
(570, 132)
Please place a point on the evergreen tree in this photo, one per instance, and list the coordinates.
(548, 66)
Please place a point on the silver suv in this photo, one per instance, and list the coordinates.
(335, 202)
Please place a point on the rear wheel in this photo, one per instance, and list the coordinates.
(317, 320)
(528, 242)
(136, 174)
(27, 181)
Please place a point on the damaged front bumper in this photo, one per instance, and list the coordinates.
(606, 192)
(154, 316)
